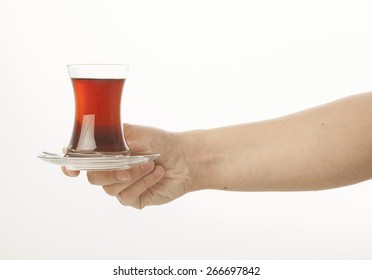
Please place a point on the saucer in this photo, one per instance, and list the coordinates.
(93, 162)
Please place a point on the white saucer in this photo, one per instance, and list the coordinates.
(93, 162)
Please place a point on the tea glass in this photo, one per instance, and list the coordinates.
(98, 129)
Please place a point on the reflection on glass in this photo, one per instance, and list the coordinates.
(87, 141)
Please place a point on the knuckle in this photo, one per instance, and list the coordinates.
(109, 190)
(128, 201)
(126, 198)
(121, 201)
(148, 180)
(91, 176)
(123, 198)
(126, 175)
(137, 206)
(100, 177)
(107, 177)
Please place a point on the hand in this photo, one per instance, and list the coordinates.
(152, 183)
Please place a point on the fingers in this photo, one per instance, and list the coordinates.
(115, 189)
(70, 173)
(124, 177)
(131, 196)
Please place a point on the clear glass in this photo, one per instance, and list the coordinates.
(98, 128)
(98, 162)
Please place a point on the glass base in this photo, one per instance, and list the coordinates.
(75, 153)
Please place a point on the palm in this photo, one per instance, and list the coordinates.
(176, 179)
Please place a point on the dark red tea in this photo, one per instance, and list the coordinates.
(97, 126)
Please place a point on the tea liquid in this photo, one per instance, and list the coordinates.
(97, 126)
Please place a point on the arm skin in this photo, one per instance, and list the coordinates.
(324, 147)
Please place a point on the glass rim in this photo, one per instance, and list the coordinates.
(98, 71)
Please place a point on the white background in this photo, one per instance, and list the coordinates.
(194, 64)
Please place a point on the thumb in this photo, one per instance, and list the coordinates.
(136, 137)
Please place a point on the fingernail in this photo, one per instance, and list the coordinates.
(148, 166)
(122, 175)
(157, 172)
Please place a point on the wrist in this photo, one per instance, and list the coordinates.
(205, 158)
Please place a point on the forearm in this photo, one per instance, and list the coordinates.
(324, 147)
